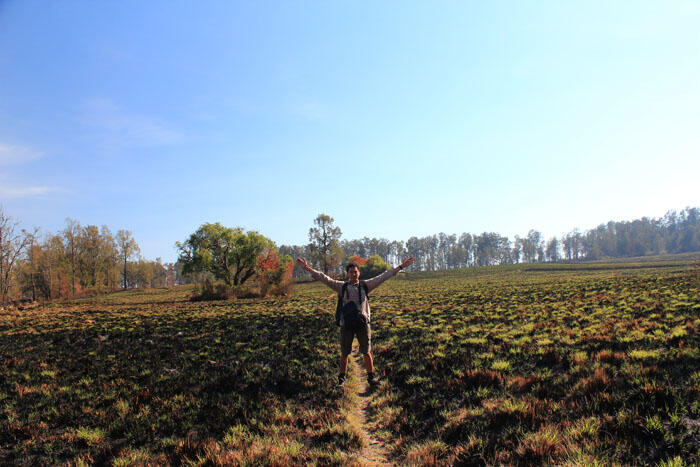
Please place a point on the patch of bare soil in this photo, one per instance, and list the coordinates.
(374, 452)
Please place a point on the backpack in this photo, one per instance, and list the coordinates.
(351, 312)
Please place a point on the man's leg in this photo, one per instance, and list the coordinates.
(346, 338)
(343, 363)
(369, 362)
(365, 339)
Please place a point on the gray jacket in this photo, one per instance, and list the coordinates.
(353, 290)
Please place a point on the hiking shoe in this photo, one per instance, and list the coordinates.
(372, 380)
(341, 380)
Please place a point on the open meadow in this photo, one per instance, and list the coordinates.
(580, 364)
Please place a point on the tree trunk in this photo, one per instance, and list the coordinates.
(72, 268)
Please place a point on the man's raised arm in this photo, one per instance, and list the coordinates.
(319, 276)
(374, 282)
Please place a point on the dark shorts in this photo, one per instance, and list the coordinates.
(364, 337)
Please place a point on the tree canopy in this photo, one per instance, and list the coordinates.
(127, 248)
(229, 254)
(324, 243)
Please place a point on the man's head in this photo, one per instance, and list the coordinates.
(353, 272)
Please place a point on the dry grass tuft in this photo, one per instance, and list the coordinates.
(596, 382)
(479, 378)
(609, 356)
(542, 446)
(522, 384)
(429, 453)
(469, 453)
(579, 358)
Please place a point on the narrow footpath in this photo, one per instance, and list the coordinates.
(374, 452)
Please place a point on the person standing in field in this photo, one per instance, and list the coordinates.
(354, 292)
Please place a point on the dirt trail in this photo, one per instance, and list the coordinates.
(374, 452)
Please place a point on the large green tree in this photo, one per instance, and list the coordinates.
(230, 254)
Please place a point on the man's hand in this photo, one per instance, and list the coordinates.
(407, 263)
(304, 265)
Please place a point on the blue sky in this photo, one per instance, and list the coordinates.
(395, 118)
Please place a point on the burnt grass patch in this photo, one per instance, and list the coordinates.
(167, 382)
(485, 366)
(505, 366)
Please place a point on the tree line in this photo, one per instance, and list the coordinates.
(89, 259)
(675, 232)
(78, 260)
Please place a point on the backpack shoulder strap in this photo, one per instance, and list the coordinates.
(343, 291)
(363, 284)
(338, 309)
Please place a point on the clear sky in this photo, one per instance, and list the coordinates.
(395, 118)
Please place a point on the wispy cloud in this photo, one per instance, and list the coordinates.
(114, 126)
(24, 192)
(15, 154)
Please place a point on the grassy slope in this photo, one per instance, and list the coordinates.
(543, 363)
(150, 376)
(517, 364)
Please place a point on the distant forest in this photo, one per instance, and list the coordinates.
(81, 260)
(676, 232)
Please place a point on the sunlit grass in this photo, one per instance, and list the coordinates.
(493, 366)
(500, 365)
(90, 435)
(642, 354)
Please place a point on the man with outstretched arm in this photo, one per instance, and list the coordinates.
(355, 292)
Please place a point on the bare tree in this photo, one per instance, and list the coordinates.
(127, 248)
(12, 244)
(324, 243)
(72, 234)
(552, 251)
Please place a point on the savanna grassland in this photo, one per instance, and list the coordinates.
(566, 364)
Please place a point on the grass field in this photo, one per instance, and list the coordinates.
(569, 364)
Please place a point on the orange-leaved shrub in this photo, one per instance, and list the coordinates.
(274, 273)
